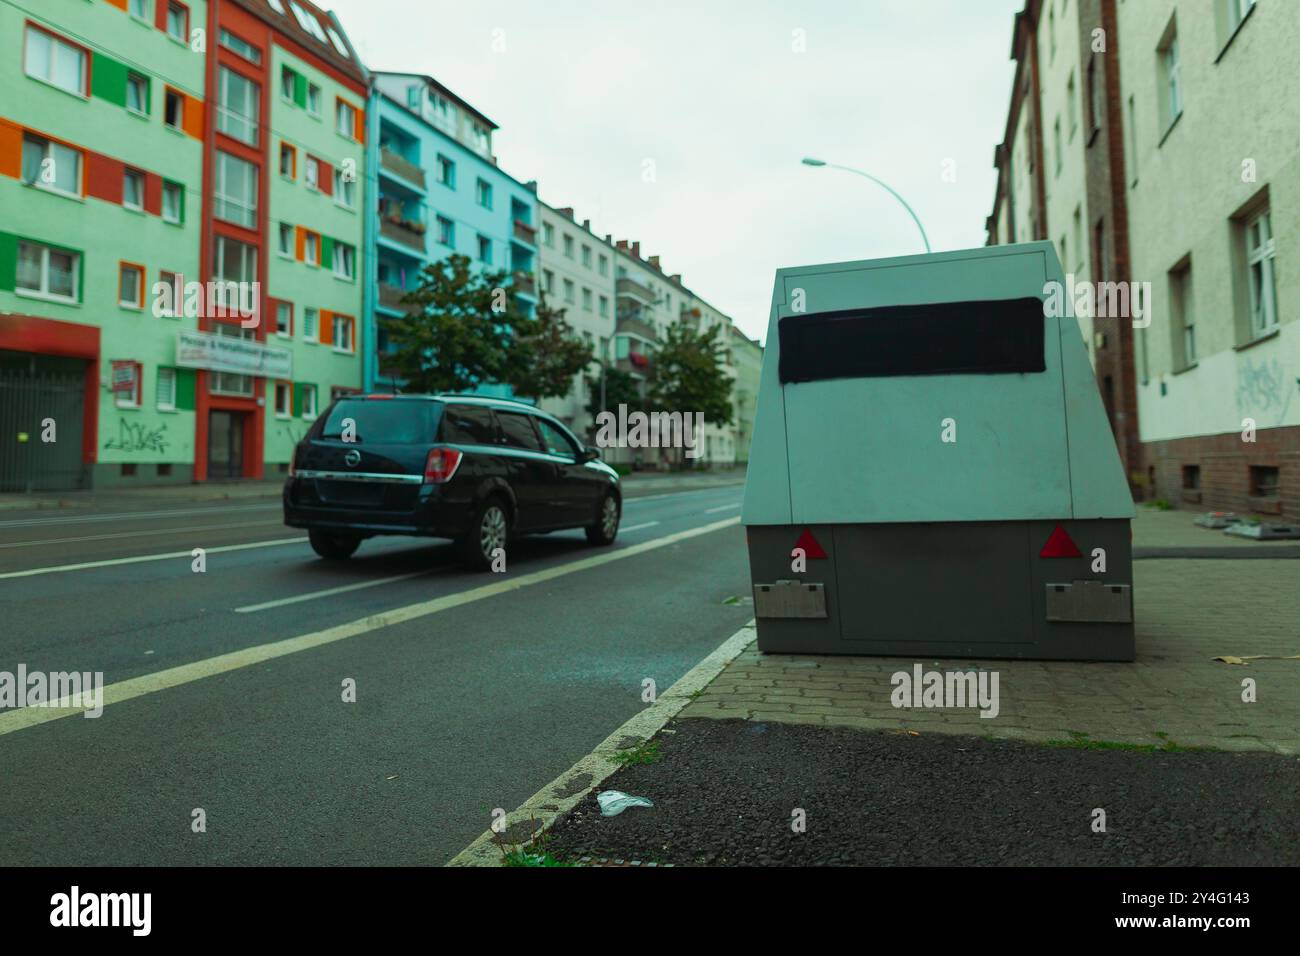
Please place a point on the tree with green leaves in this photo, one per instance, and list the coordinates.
(687, 374)
(461, 330)
(620, 389)
(545, 356)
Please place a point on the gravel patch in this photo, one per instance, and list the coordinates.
(726, 791)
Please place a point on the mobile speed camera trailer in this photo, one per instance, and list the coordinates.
(932, 470)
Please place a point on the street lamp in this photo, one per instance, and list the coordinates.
(809, 161)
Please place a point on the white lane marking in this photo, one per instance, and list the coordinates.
(545, 807)
(632, 499)
(128, 515)
(139, 534)
(638, 527)
(24, 717)
(735, 504)
(30, 572)
(313, 595)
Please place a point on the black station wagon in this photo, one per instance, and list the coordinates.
(476, 470)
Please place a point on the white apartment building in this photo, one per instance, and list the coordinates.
(577, 275)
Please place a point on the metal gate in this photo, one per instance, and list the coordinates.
(27, 400)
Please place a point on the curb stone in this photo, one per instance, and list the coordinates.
(547, 807)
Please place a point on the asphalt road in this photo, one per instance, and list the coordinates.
(464, 705)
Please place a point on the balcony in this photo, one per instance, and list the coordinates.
(407, 232)
(635, 290)
(525, 232)
(632, 326)
(401, 167)
(390, 296)
(525, 284)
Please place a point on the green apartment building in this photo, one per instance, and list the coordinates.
(181, 192)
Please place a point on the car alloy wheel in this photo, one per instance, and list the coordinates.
(492, 531)
(609, 517)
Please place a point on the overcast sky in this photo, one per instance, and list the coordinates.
(717, 95)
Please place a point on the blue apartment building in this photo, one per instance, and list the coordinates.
(435, 190)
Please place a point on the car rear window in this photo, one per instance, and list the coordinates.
(390, 422)
(517, 431)
(468, 425)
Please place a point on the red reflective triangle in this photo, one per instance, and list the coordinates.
(808, 544)
(1059, 545)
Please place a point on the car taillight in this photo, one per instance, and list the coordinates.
(441, 465)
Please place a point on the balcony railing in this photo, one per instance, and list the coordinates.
(401, 166)
(525, 283)
(525, 232)
(406, 232)
(390, 296)
(630, 287)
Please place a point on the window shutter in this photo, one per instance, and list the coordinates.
(326, 252)
(326, 327)
(296, 399)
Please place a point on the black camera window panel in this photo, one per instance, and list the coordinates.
(988, 337)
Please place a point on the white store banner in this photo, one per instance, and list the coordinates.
(225, 353)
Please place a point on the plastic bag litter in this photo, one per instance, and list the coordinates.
(614, 802)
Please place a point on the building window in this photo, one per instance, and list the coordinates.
(345, 189)
(309, 401)
(345, 119)
(483, 194)
(548, 280)
(165, 389)
(237, 106)
(1182, 314)
(1264, 481)
(1260, 264)
(139, 9)
(288, 161)
(342, 328)
(241, 46)
(1078, 237)
(1130, 142)
(604, 265)
(178, 21)
(1234, 14)
(284, 319)
(345, 261)
(446, 232)
(133, 190)
(311, 249)
(1093, 91)
(586, 256)
(51, 166)
(548, 234)
(485, 249)
(311, 173)
(232, 383)
(446, 172)
(173, 109)
(1171, 77)
(288, 81)
(568, 290)
(130, 286)
(604, 306)
(1071, 107)
(586, 300)
(137, 94)
(233, 261)
(1191, 477)
(313, 99)
(568, 246)
(235, 191)
(283, 401)
(45, 271)
(130, 399)
(285, 247)
(166, 303)
(1056, 142)
(48, 58)
(311, 325)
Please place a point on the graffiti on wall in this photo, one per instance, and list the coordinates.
(133, 436)
(1264, 390)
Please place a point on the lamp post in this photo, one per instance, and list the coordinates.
(809, 161)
